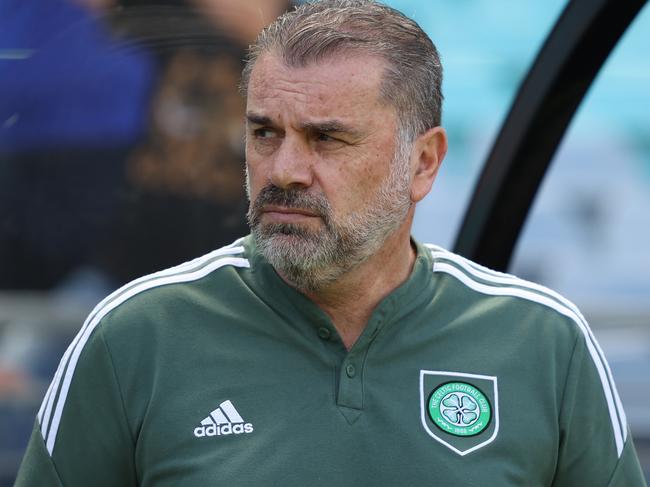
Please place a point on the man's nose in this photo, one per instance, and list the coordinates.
(292, 166)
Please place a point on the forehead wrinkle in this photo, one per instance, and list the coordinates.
(319, 95)
(271, 73)
(293, 92)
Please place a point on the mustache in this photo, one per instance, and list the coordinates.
(289, 198)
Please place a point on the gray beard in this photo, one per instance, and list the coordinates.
(312, 259)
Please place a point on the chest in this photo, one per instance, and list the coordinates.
(277, 413)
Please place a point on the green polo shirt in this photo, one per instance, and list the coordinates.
(216, 372)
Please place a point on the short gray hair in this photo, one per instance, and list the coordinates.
(312, 31)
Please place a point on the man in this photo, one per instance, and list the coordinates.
(329, 348)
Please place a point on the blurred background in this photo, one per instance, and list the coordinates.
(121, 153)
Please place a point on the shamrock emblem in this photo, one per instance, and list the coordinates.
(460, 409)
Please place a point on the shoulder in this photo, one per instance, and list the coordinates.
(506, 291)
(130, 326)
(147, 298)
(123, 333)
(535, 315)
(518, 308)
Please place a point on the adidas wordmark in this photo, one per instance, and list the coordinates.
(225, 420)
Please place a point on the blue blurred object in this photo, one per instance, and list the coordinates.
(65, 82)
(74, 103)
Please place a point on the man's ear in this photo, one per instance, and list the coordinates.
(429, 150)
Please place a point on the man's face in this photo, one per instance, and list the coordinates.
(326, 181)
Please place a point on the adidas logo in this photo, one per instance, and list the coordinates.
(225, 420)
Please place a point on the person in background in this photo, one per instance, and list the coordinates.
(185, 185)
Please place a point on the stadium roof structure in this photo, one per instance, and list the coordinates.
(572, 55)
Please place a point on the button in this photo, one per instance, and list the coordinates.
(324, 333)
(350, 370)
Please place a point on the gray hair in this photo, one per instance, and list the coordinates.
(312, 31)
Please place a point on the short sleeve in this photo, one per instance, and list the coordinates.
(628, 470)
(596, 448)
(81, 436)
(37, 467)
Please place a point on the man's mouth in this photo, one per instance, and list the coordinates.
(285, 214)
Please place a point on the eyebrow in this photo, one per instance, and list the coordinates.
(258, 119)
(326, 126)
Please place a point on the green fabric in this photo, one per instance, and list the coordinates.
(37, 467)
(175, 355)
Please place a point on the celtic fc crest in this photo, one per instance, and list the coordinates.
(459, 410)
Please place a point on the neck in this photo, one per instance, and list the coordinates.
(350, 300)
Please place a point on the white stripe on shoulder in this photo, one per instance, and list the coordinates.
(437, 251)
(540, 294)
(189, 271)
(502, 278)
(193, 264)
(46, 407)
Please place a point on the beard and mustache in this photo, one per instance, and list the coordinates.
(312, 259)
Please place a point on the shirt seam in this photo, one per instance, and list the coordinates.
(117, 382)
(617, 464)
(566, 375)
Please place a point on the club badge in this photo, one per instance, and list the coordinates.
(459, 410)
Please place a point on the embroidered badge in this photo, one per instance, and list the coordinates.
(459, 410)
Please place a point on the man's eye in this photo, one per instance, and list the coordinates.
(321, 137)
(264, 133)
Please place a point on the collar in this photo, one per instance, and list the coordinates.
(294, 305)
